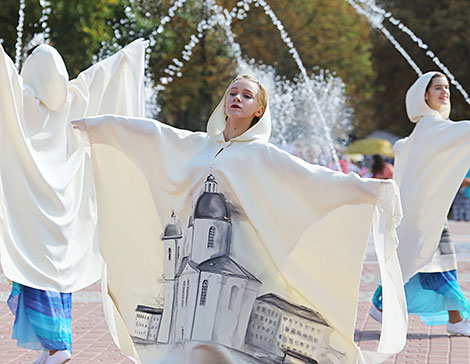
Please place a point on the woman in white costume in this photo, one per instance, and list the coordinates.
(48, 246)
(219, 246)
(430, 164)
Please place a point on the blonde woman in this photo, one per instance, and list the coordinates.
(224, 238)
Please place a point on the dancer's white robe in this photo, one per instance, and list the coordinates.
(48, 202)
(430, 165)
(300, 229)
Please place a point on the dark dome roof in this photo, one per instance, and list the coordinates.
(172, 231)
(212, 206)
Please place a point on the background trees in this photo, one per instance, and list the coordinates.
(444, 27)
(327, 33)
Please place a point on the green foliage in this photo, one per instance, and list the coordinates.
(77, 27)
(327, 33)
(9, 22)
(189, 100)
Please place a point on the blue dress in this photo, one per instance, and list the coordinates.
(432, 295)
(43, 319)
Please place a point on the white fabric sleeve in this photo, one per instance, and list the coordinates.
(11, 87)
(114, 85)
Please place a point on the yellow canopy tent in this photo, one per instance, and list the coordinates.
(371, 146)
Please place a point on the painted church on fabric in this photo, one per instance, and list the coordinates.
(210, 297)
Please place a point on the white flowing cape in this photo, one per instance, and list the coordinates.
(299, 229)
(48, 203)
(430, 165)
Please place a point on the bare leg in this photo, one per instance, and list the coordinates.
(454, 317)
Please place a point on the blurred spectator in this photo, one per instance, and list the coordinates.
(461, 206)
(357, 164)
(380, 168)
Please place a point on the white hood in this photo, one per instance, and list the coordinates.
(416, 107)
(261, 130)
(44, 71)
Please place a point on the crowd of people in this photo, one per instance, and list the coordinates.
(379, 166)
(260, 224)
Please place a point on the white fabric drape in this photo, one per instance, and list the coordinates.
(48, 203)
(430, 165)
(300, 229)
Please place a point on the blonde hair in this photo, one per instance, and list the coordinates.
(261, 97)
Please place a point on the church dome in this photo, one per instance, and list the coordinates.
(172, 231)
(212, 206)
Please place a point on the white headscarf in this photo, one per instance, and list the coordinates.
(44, 71)
(416, 106)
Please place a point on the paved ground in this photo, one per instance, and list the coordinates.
(93, 344)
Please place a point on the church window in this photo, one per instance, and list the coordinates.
(210, 237)
(169, 253)
(204, 289)
(187, 294)
(183, 294)
(233, 297)
(178, 256)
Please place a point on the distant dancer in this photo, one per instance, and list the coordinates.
(47, 195)
(430, 165)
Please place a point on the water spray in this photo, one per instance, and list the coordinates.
(19, 34)
(377, 21)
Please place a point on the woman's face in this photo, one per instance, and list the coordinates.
(438, 93)
(241, 103)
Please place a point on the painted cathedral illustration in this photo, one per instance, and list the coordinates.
(210, 297)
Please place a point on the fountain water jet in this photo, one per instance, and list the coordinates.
(240, 12)
(377, 21)
(19, 30)
(46, 10)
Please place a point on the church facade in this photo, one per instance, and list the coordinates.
(209, 297)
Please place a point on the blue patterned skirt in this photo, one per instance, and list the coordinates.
(43, 319)
(431, 295)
